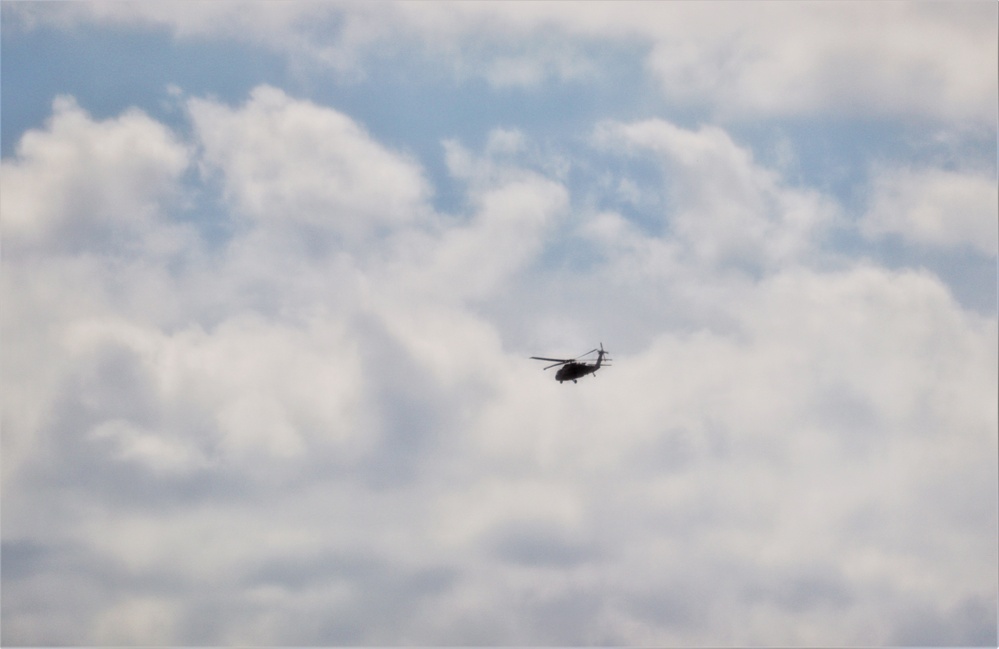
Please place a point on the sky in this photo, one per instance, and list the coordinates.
(272, 273)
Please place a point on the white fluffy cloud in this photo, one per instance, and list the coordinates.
(317, 430)
(725, 208)
(291, 161)
(80, 182)
(935, 207)
(765, 482)
(834, 57)
(84, 212)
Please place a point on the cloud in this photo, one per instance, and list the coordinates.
(85, 212)
(935, 207)
(833, 58)
(81, 182)
(514, 211)
(907, 59)
(724, 207)
(295, 162)
(322, 427)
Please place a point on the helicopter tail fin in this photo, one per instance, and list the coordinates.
(600, 355)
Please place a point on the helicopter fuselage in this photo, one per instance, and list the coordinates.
(572, 368)
(573, 371)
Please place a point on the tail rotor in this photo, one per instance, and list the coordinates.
(603, 356)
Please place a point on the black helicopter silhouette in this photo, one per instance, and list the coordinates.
(574, 368)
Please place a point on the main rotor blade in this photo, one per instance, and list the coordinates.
(558, 361)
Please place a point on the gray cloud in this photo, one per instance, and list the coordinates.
(541, 544)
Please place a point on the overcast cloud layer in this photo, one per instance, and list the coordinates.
(272, 272)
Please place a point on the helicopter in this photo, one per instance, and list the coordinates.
(573, 368)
